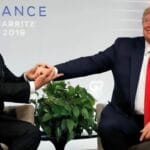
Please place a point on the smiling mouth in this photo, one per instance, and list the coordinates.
(147, 30)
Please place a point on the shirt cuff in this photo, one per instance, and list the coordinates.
(26, 79)
(32, 87)
(56, 70)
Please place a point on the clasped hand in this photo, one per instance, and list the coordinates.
(41, 74)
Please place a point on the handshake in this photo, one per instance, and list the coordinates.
(41, 74)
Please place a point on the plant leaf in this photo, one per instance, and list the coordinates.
(70, 124)
(58, 133)
(47, 130)
(46, 117)
(76, 112)
(85, 113)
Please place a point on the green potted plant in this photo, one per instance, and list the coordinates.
(64, 112)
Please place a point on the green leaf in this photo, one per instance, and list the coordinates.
(68, 108)
(71, 136)
(58, 133)
(84, 100)
(47, 130)
(85, 113)
(58, 111)
(46, 117)
(70, 125)
(63, 124)
(76, 112)
(71, 90)
(45, 110)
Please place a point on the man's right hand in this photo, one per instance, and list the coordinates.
(32, 74)
(44, 77)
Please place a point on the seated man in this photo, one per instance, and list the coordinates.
(125, 121)
(17, 134)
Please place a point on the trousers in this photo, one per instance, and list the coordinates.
(17, 134)
(118, 130)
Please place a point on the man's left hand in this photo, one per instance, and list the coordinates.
(31, 74)
(145, 132)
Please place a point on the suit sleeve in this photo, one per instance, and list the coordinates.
(10, 77)
(101, 62)
(15, 92)
(12, 88)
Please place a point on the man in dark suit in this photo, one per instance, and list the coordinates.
(122, 120)
(19, 135)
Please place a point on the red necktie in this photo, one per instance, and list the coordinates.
(147, 95)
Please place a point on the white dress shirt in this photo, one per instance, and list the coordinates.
(140, 94)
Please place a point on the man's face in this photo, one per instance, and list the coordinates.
(146, 27)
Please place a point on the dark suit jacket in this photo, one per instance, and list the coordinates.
(123, 58)
(12, 88)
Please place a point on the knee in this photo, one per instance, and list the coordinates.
(107, 128)
(34, 133)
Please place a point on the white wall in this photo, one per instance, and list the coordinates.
(71, 28)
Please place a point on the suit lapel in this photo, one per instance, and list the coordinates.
(136, 63)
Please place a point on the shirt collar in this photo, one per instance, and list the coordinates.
(147, 47)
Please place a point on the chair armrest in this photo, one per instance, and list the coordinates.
(24, 112)
(99, 108)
